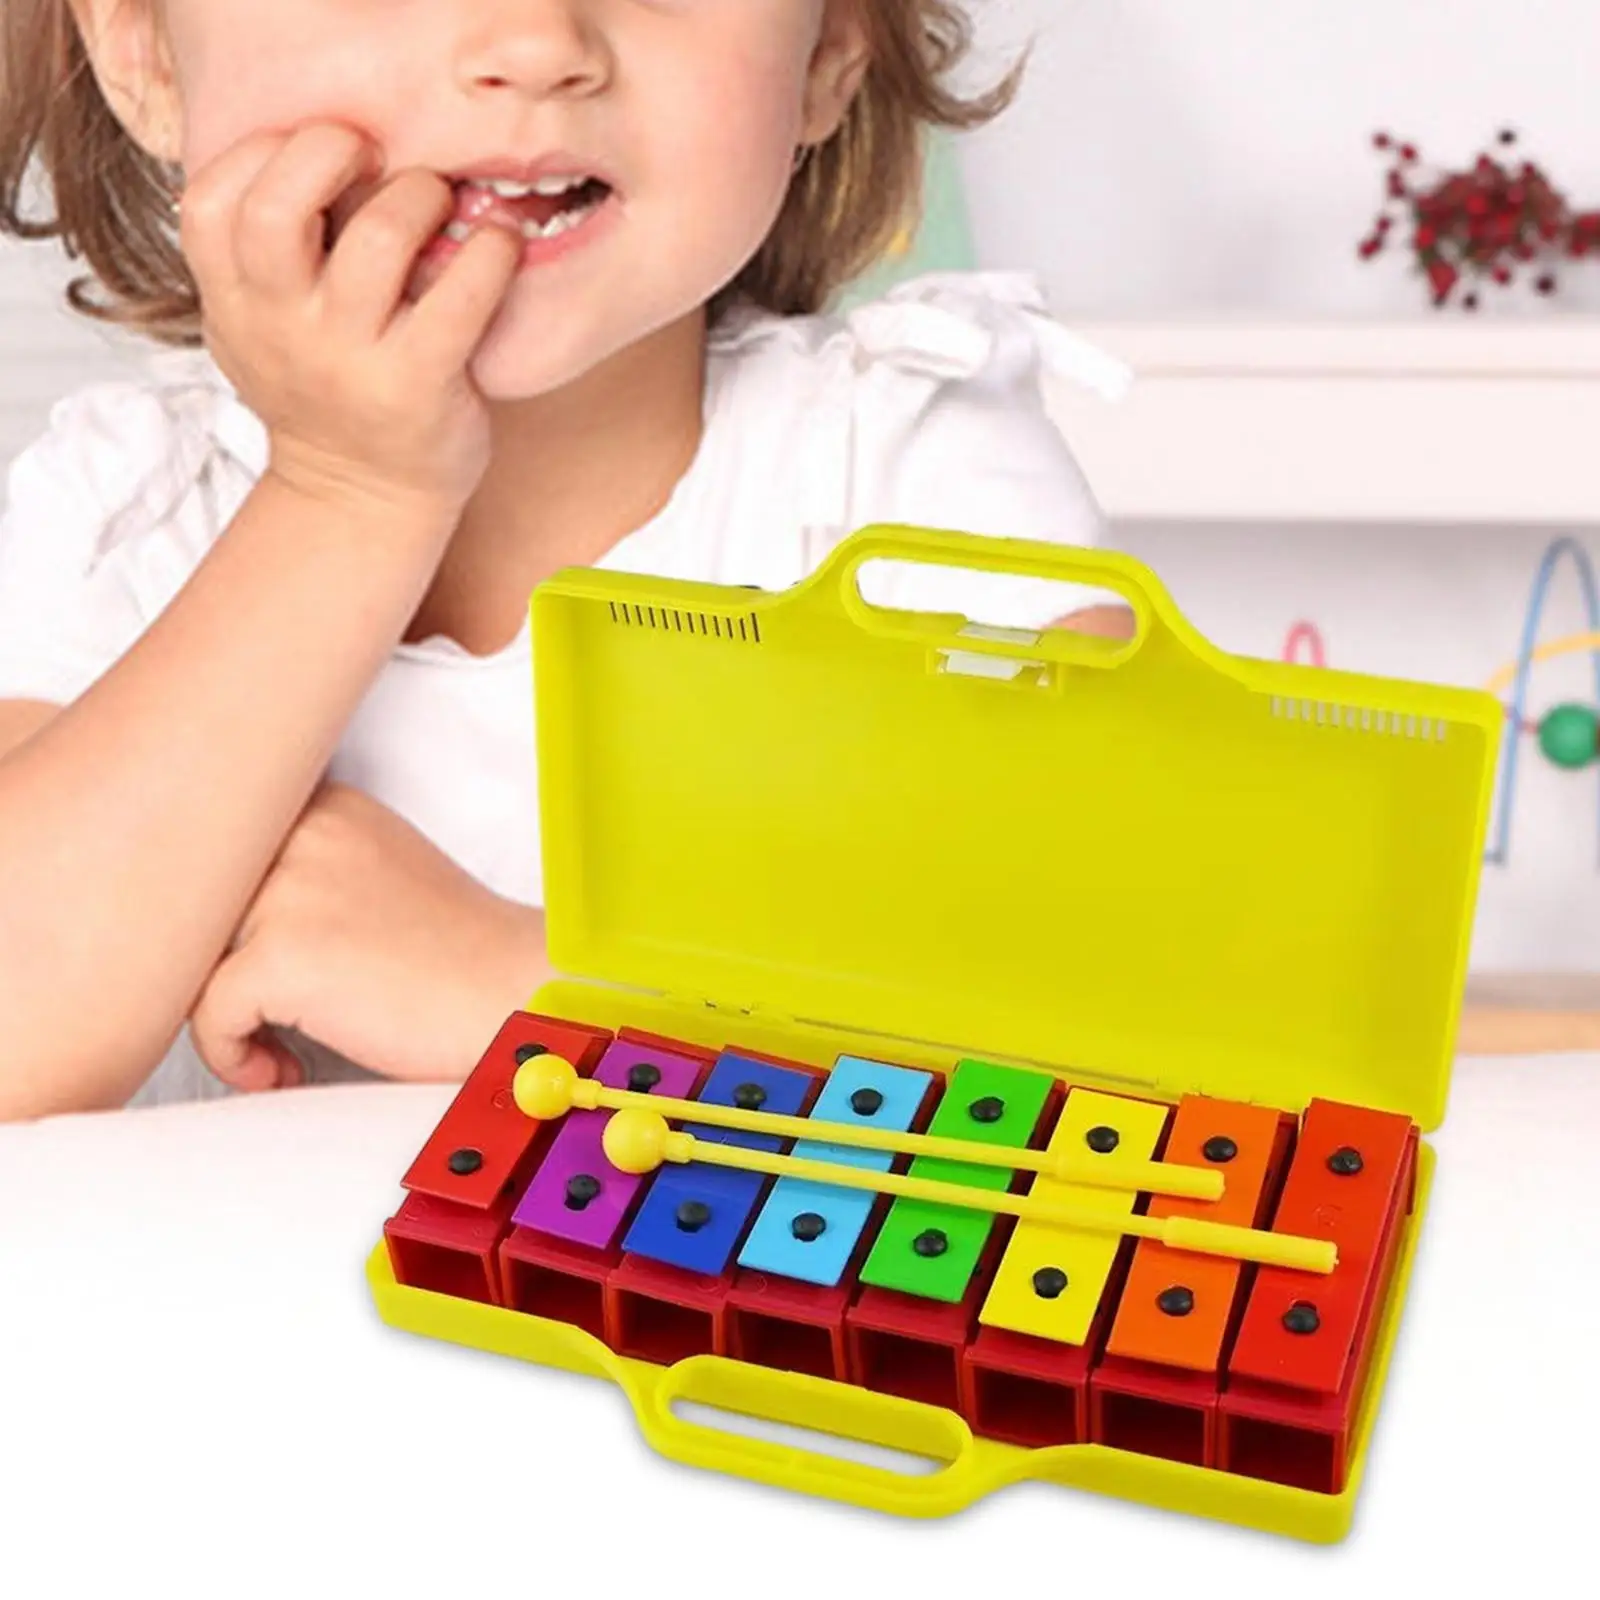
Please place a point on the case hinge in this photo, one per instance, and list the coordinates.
(748, 1010)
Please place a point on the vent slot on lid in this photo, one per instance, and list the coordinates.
(1359, 719)
(741, 629)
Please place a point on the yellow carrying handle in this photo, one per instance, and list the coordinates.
(639, 1141)
(1099, 569)
(957, 1469)
(548, 1087)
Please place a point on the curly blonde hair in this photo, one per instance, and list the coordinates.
(111, 202)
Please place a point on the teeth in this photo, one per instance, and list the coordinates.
(557, 225)
(509, 189)
(458, 231)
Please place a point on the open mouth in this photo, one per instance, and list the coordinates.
(543, 209)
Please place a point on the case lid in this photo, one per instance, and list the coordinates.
(1146, 859)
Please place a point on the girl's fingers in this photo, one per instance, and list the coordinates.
(230, 1029)
(208, 205)
(375, 255)
(255, 1071)
(280, 222)
(289, 1074)
(447, 324)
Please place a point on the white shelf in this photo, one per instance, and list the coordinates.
(1451, 421)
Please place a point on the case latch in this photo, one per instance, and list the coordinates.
(1003, 669)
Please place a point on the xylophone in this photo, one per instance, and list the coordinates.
(1198, 1283)
(1010, 1048)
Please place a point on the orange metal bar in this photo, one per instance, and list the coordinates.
(1176, 1305)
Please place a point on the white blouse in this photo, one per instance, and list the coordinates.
(922, 408)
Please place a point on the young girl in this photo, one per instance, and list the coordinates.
(457, 293)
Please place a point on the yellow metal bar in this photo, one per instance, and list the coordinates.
(546, 1088)
(1084, 1257)
(637, 1140)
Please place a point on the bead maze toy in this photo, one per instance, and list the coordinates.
(1012, 1049)
(1567, 735)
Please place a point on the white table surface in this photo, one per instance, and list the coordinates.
(196, 1395)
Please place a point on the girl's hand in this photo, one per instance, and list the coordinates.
(371, 941)
(362, 392)
(1106, 621)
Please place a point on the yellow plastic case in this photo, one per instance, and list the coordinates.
(802, 824)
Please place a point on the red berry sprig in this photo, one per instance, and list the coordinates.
(1482, 224)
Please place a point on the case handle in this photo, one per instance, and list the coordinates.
(798, 1401)
(1101, 569)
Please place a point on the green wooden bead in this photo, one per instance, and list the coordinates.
(1569, 736)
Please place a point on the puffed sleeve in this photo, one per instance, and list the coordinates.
(81, 505)
(949, 430)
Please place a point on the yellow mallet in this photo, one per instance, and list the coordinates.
(546, 1087)
(638, 1141)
